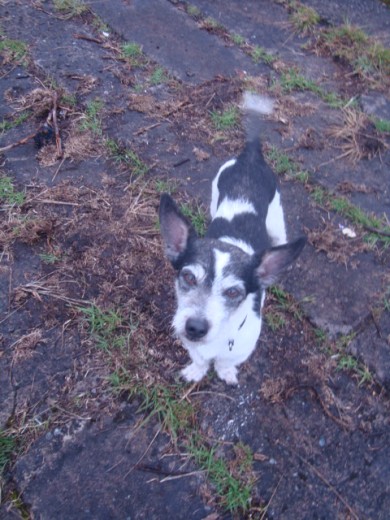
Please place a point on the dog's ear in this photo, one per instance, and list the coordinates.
(175, 229)
(276, 259)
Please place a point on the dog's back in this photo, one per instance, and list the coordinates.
(245, 204)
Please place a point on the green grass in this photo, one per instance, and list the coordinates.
(382, 125)
(193, 11)
(231, 477)
(225, 120)
(7, 446)
(107, 328)
(166, 186)
(366, 56)
(320, 336)
(303, 18)
(349, 363)
(70, 8)
(275, 320)
(284, 165)
(68, 100)
(132, 52)
(49, 258)
(126, 157)
(386, 300)
(234, 491)
(281, 162)
(291, 80)
(98, 23)
(197, 216)
(159, 76)
(176, 415)
(210, 23)
(8, 195)
(260, 54)
(285, 302)
(93, 117)
(237, 39)
(17, 120)
(13, 50)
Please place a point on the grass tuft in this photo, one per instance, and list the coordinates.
(7, 446)
(233, 489)
(13, 50)
(225, 120)
(197, 215)
(8, 195)
(70, 8)
(107, 327)
(92, 117)
(303, 18)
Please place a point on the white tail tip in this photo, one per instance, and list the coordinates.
(255, 103)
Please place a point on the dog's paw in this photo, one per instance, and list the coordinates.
(228, 374)
(194, 372)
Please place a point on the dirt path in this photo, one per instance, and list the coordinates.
(94, 421)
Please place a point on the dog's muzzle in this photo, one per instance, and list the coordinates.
(196, 328)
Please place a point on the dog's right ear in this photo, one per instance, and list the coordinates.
(175, 229)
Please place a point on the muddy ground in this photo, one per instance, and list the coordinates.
(103, 106)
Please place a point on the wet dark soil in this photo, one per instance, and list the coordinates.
(312, 404)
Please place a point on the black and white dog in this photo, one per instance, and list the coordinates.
(221, 278)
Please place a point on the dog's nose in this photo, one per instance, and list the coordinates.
(196, 328)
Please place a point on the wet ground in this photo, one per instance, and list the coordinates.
(94, 420)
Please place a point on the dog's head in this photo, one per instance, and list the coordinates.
(215, 278)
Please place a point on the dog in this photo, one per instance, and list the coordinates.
(222, 278)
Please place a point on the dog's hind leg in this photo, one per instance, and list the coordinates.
(275, 225)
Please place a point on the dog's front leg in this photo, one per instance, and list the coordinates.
(226, 371)
(197, 369)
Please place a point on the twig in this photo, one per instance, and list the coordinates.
(18, 143)
(58, 169)
(88, 38)
(377, 231)
(213, 393)
(144, 454)
(61, 202)
(323, 479)
(314, 390)
(60, 152)
(147, 128)
(180, 163)
(271, 498)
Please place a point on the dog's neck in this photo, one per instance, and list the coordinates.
(231, 341)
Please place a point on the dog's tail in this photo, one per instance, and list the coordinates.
(254, 108)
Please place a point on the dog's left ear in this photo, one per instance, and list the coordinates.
(275, 260)
(175, 229)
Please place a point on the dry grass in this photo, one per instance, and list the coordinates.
(337, 247)
(24, 347)
(357, 136)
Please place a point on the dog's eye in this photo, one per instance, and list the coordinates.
(189, 278)
(232, 293)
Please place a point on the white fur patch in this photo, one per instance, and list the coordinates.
(238, 243)
(230, 208)
(214, 188)
(274, 223)
(221, 261)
